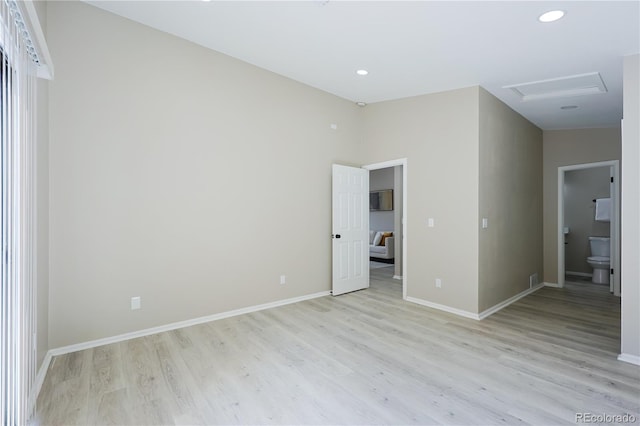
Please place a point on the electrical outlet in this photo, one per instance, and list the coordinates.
(283, 279)
(136, 303)
(438, 283)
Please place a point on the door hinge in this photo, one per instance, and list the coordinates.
(611, 271)
(611, 179)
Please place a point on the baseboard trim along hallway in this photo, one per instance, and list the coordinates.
(481, 315)
(443, 308)
(505, 303)
(631, 359)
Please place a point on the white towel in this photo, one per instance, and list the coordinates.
(603, 210)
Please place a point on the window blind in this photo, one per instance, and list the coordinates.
(18, 68)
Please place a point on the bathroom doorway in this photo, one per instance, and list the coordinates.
(583, 191)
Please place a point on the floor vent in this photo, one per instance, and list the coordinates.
(533, 280)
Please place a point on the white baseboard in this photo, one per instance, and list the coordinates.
(444, 308)
(554, 285)
(397, 277)
(37, 385)
(632, 359)
(505, 303)
(181, 324)
(42, 371)
(481, 315)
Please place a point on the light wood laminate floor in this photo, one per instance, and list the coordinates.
(362, 358)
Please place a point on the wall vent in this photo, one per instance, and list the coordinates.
(533, 280)
(561, 87)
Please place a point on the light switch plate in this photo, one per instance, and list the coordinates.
(136, 303)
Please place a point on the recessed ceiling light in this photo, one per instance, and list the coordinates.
(361, 104)
(552, 15)
(362, 72)
(569, 107)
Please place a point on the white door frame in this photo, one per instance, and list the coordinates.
(393, 163)
(614, 224)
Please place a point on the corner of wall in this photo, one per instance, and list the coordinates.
(510, 202)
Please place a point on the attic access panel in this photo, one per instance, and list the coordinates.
(561, 87)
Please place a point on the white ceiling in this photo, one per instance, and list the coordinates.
(418, 47)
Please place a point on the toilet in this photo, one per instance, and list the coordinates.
(599, 259)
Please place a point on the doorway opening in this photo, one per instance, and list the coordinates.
(384, 176)
(589, 216)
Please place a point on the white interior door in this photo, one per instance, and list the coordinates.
(350, 226)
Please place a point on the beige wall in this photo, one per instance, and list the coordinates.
(510, 191)
(565, 148)
(182, 176)
(144, 127)
(438, 134)
(631, 210)
(42, 191)
(581, 188)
